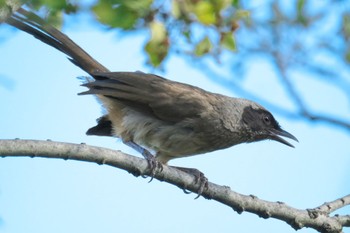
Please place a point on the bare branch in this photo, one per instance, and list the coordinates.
(327, 119)
(303, 113)
(344, 220)
(330, 207)
(297, 218)
(299, 102)
(281, 68)
(236, 87)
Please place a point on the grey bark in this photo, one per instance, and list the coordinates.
(317, 218)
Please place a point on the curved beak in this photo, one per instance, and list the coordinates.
(276, 133)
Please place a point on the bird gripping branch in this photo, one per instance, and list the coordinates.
(151, 113)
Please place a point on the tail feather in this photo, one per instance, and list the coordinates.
(37, 27)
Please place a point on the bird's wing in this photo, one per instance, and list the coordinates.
(167, 100)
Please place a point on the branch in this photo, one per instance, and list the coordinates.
(330, 207)
(296, 218)
(344, 220)
(303, 110)
(289, 87)
(234, 86)
(302, 113)
(328, 119)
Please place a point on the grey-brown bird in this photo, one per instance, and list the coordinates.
(151, 113)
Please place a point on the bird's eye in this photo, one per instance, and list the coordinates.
(267, 120)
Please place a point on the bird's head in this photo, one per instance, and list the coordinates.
(262, 125)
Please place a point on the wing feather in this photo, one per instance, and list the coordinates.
(167, 100)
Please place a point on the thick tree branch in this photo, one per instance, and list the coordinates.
(297, 218)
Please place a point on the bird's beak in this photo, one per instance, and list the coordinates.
(275, 133)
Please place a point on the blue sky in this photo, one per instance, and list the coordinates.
(39, 101)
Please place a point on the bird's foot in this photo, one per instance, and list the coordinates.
(199, 179)
(153, 164)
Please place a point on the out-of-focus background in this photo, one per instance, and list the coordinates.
(293, 58)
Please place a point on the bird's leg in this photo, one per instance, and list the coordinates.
(153, 164)
(199, 178)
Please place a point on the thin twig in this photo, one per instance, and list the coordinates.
(303, 110)
(327, 119)
(304, 114)
(286, 82)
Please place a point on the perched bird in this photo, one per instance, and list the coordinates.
(151, 113)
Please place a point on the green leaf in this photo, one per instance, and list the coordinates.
(137, 5)
(205, 12)
(2, 3)
(118, 17)
(235, 3)
(158, 31)
(71, 8)
(301, 18)
(156, 51)
(220, 4)
(203, 47)
(347, 55)
(242, 14)
(175, 9)
(36, 4)
(228, 41)
(56, 4)
(104, 12)
(346, 26)
(55, 18)
(300, 6)
(157, 47)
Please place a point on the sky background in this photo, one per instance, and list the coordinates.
(38, 99)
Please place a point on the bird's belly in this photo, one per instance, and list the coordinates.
(172, 140)
(170, 143)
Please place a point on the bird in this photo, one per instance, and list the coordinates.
(160, 118)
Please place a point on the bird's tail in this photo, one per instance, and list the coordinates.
(37, 27)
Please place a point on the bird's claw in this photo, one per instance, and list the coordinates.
(202, 181)
(186, 191)
(153, 164)
(199, 179)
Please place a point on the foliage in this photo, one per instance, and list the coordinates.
(190, 26)
(312, 37)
